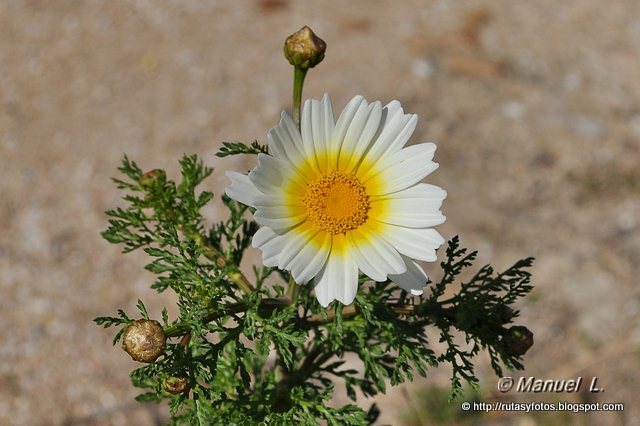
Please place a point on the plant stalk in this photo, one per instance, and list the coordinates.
(269, 305)
(298, 82)
(266, 306)
(211, 253)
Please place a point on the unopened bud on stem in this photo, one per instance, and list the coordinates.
(518, 340)
(304, 49)
(505, 313)
(144, 340)
(175, 385)
(147, 180)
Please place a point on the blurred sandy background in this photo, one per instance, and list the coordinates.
(535, 107)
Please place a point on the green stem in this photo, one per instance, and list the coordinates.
(292, 291)
(234, 275)
(298, 82)
(266, 307)
(349, 312)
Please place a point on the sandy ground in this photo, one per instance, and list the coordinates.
(535, 107)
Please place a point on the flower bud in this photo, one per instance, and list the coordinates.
(505, 313)
(175, 385)
(304, 49)
(147, 180)
(517, 340)
(144, 340)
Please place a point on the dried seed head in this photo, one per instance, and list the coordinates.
(304, 49)
(517, 340)
(144, 340)
(175, 385)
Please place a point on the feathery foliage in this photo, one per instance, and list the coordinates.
(249, 354)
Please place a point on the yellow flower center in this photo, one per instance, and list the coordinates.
(336, 202)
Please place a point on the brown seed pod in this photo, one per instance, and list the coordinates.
(144, 340)
(175, 385)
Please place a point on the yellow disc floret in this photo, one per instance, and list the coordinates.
(336, 202)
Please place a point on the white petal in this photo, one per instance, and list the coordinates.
(242, 189)
(420, 244)
(367, 267)
(279, 204)
(324, 124)
(297, 240)
(337, 280)
(413, 219)
(275, 211)
(425, 150)
(276, 200)
(277, 223)
(361, 130)
(267, 175)
(306, 127)
(404, 168)
(292, 251)
(421, 191)
(317, 129)
(396, 128)
(343, 124)
(414, 207)
(278, 211)
(307, 262)
(278, 216)
(285, 141)
(271, 245)
(413, 280)
(374, 256)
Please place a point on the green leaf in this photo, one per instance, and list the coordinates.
(142, 309)
(235, 148)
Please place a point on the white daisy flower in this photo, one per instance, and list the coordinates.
(338, 197)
